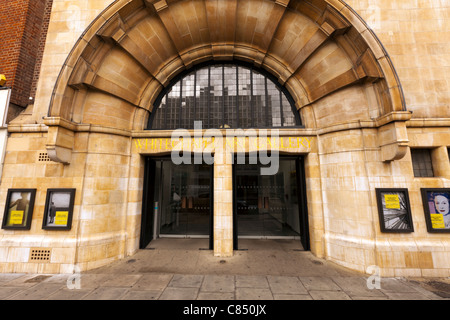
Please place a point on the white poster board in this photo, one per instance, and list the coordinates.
(5, 94)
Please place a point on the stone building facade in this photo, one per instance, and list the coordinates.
(367, 78)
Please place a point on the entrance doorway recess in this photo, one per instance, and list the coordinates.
(177, 201)
(270, 206)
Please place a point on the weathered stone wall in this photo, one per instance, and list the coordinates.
(100, 104)
(414, 33)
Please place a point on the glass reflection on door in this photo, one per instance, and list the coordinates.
(185, 200)
(267, 206)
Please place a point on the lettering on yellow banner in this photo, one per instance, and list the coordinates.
(16, 217)
(392, 201)
(233, 143)
(61, 218)
(437, 221)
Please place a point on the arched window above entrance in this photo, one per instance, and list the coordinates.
(224, 96)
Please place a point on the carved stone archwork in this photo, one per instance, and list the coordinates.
(135, 48)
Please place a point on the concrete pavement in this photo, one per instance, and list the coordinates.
(263, 270)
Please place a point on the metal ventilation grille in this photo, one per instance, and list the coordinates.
(43, 157)
(40, 255)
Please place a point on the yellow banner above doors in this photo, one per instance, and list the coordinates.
(289, 144)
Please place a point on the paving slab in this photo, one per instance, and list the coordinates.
(37, 292)
(329, 295)
(292, 297)
(153, 282)
(216, 296)
(26, 280)
(218, 283)
(67, 294)
(286, 285)
(395, 285)
(319, 283)
(58, 278)
(92, 281)
(370, 298)
(357, 286)
(142, 295)
(124, 280)
(172, 293)
(251, 282)
(253, 294)
(7, 277)
(424, 288)
(406, 296)
(186, 281)
(106, 293)
(6, 292)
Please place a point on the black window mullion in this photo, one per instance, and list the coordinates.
(195, 100)
(180, 115)
(208, 98)
(281, 109)
(266, 121)
(251, 100)
(237, 96)
(223, 96)
(165, 110)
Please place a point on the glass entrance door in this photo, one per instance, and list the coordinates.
(185, 207)
(267, 206)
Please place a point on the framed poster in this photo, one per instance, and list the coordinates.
(394, 210)
(58, 209)
(436, 209)
(19, 209)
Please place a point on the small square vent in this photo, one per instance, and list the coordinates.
(40, 255)
(43, 157)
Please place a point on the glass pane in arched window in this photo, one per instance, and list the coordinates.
(230, 97)
(244, 98)
(202, 95)
(187, 101)
(158, 121)
(274, 101)
(224, 96)
(288, 120)
(216, 99)
(259, 100)
(173, 107)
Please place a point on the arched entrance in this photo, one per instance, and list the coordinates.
(178, 198)
(338, 74)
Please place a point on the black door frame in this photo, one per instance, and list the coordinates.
(303, 206)
(148, 210)
(147, 216)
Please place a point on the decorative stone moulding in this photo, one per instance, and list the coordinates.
(60, 139)
(393, 136)
(134, 49)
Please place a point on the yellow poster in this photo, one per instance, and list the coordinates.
(61, 218)
(16, 217)
(437, 221)
(392, 201)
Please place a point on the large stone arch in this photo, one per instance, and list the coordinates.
(320, 50)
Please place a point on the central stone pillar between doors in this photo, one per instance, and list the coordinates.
(223, 204)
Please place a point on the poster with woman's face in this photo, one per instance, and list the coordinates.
(439, 209)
